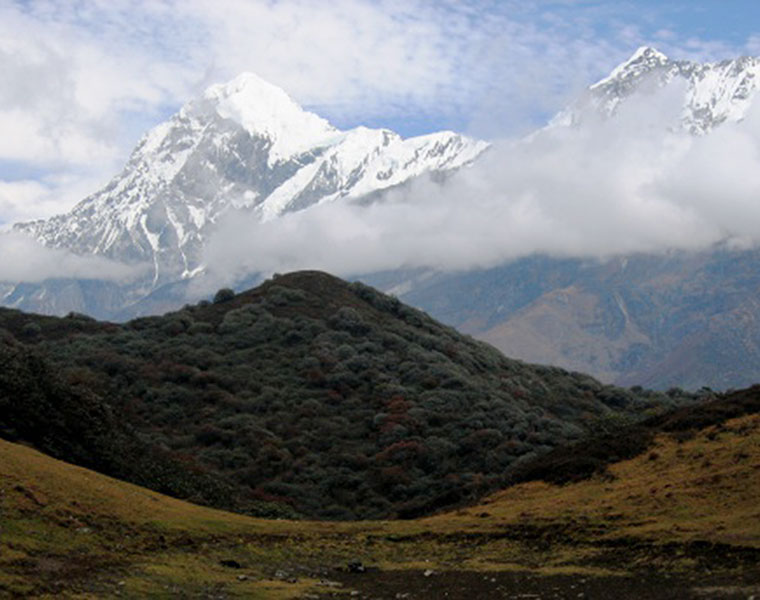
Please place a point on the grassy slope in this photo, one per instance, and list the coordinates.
(682, 505)
(67, 529)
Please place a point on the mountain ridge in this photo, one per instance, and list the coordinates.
(677, 319)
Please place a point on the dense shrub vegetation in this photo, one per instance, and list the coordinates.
(68, 421)
(329, 397)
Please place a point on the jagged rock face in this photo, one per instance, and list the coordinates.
(242, 146)
(714, 92)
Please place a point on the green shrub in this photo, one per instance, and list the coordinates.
(223, 295)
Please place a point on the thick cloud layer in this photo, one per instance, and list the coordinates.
(25, 260)
(623, 185)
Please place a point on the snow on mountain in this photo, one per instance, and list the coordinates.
(243, 145)
(265, 110)
(715, 92)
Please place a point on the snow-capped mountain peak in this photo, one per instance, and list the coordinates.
(265, 109)
(714, 92)
(642, 61)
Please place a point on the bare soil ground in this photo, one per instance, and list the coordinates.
(469, 585)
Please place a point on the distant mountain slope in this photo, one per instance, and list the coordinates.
(677, 319)
(330, 396)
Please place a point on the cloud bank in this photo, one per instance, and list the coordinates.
(26, 260)
(611, 187)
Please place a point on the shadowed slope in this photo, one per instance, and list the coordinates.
(328, 396)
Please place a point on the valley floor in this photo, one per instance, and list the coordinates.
(680, 521)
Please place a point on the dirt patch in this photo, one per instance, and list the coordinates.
(469, 585)
(705, 557)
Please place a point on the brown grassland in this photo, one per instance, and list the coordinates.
(684, 511)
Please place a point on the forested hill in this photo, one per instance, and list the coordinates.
(325, 396)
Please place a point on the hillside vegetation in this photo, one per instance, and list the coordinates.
(327, 397)
(65, 419)
(679, 521)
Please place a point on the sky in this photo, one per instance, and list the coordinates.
(82, 80)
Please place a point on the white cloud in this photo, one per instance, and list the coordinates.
(33, 263)
(614, 186)
(18, 197)
(70, 99)
(29, 199)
